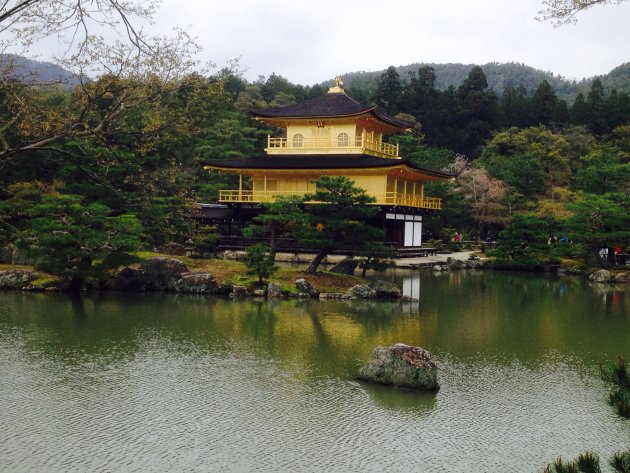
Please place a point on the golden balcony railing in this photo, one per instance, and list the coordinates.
(359, 144)
(409, 200)
(388, 198)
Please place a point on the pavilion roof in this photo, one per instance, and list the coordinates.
(319, 162)
(330, 105)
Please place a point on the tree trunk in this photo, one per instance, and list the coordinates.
(319, 257)
(366, 264)
(273, 245)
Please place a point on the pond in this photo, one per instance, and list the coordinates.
(159, 382)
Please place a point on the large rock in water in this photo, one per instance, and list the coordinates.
(401, 365)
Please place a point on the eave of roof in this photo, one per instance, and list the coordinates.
(319, 162)
(330, 105)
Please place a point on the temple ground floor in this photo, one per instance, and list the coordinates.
(402, 228)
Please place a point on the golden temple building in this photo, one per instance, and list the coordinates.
(333, 135)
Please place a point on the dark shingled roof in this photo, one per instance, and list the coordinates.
(326, 106)
(319, 161)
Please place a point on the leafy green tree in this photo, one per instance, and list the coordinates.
(258, 262)
(525, 239)
(536, 149)
(76, 241)
(283, 218)
(603, 172)
(599, 221)
(339, 215)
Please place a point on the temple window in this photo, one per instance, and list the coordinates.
(342, 139)
(298, 140)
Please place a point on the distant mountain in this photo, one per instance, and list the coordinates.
(500, 75)
(37, 72)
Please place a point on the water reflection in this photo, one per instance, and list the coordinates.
(137, 382)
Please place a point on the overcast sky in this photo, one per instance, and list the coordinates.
(310, 42)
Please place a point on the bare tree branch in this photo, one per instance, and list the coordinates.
(562, 12)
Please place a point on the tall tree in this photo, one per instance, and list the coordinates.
(595, 105)
(516, 107)
(339, 215)
(547, 109)
(389, 92)
(283, 218)
(478, 113)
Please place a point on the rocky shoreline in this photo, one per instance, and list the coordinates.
(172, 275)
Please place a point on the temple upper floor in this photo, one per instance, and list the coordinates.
(331, 124)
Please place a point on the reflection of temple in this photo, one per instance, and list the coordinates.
(332, 135)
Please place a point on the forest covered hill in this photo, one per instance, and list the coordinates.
(500, 75)
(29, 71)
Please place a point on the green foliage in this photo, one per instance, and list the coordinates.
(339, 214)
(206, 239)
(599, 221)
(621, 462)
(75, 241)
(620, 394)
(258, 262)
(585, 463)
(603, 172)
(524, 240)
(527, 158)
(283, 218)
(389, 92)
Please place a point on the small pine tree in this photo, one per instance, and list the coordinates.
(258, 262)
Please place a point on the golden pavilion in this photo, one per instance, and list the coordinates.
(333, 135)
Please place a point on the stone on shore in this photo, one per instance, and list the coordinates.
(197, 283)
(130, 280)
(403, 366)
(345, 266)
(16, 278)
(385, 289)
(304, 286)
(601, 276)
(239, 291)
(274, 290)
(162, 274)
(360, 291)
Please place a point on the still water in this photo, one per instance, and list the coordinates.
(159, 382)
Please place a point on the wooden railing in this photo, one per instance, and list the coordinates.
(359, 144)
(388, 198)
